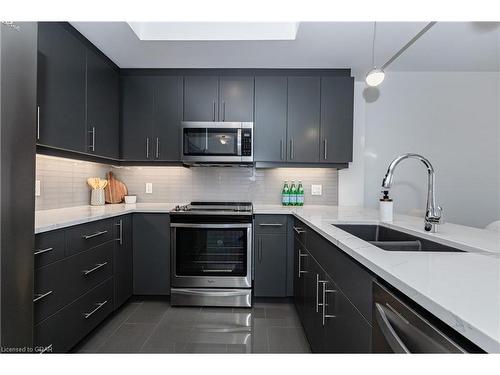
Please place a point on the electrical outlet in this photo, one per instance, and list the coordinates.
(316, 189)
(37, 188)
(149, 188)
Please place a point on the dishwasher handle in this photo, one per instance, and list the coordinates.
(389, 333)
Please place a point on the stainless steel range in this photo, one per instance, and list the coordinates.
(211, 246)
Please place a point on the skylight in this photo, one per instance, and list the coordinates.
(214, 31)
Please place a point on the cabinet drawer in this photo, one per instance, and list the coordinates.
(300, 231)
(269, 224)
(86, 236)
(51, 290)
(63, 330)
(89, 268)
(49, 247)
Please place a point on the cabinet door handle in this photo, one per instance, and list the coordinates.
(37, 122)
(120, 226)
(299, 230)
(291, 149)
(325, 145)
(92, 145)
(325, 314)
(300, 263)
(317, 293)
(41, 251)
(147, 148)
(223, 111)
(99, 305)
(41, 296)
(282, 154)
(97, 266)
(213, 110)
(157, 147)
(271, 224)
(96, 234)
(260, 250)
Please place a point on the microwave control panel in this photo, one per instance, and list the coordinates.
(246, 142)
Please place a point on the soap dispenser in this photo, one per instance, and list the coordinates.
(386, 207)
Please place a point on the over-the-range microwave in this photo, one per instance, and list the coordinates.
(216, 142)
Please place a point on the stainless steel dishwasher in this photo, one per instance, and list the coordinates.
(397, 328)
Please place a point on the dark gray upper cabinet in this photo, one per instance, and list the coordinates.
(151, 254)
(236, 98)
(167, 118)
(61, 88)
(123, 260)
(137, 117)
(270, 143)
(151, 117)
(201, 95)
(336, 119)
(303, 119)
(103, 83)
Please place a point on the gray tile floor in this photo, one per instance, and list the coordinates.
(156, 327)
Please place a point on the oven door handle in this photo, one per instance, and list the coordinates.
(210, 226)
(212, 293)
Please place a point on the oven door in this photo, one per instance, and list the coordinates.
(211, 255)
(211, 142)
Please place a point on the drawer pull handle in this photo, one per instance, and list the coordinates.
(40, 296)
(99, 305)
(89, 236)
(271, 225)
(41, 251)
(46, 349)
(97, 266)
(299, 230)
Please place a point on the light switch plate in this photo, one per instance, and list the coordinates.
(149, 188)
(316, 189)
(37, 188)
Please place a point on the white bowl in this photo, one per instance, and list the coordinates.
(130, 199)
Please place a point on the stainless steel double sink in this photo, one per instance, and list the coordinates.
(393, 240)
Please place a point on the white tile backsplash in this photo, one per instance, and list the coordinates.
(63, 183)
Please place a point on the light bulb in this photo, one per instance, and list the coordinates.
(375, 77)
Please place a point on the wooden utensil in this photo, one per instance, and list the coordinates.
(114, 190)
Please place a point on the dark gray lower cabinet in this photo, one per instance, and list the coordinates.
(332, 321)
(345, 330)
(123, 260)
(151, 254)
(61, 331)
(270, 256)
(270, 265)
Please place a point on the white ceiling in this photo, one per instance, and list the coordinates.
(448, 46)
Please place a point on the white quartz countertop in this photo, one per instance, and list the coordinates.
(46, 220)
(462, 289)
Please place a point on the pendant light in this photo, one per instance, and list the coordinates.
(376, 76)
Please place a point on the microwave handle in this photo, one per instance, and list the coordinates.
(238, 145)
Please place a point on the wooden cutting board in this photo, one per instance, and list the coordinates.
(115, 191)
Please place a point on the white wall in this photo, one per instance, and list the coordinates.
(351, 180)
(452, 118)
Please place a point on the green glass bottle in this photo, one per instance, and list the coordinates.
(300, 194)
(285, 195)
(293, 194)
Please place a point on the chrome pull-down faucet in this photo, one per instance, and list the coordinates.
(432, 212)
